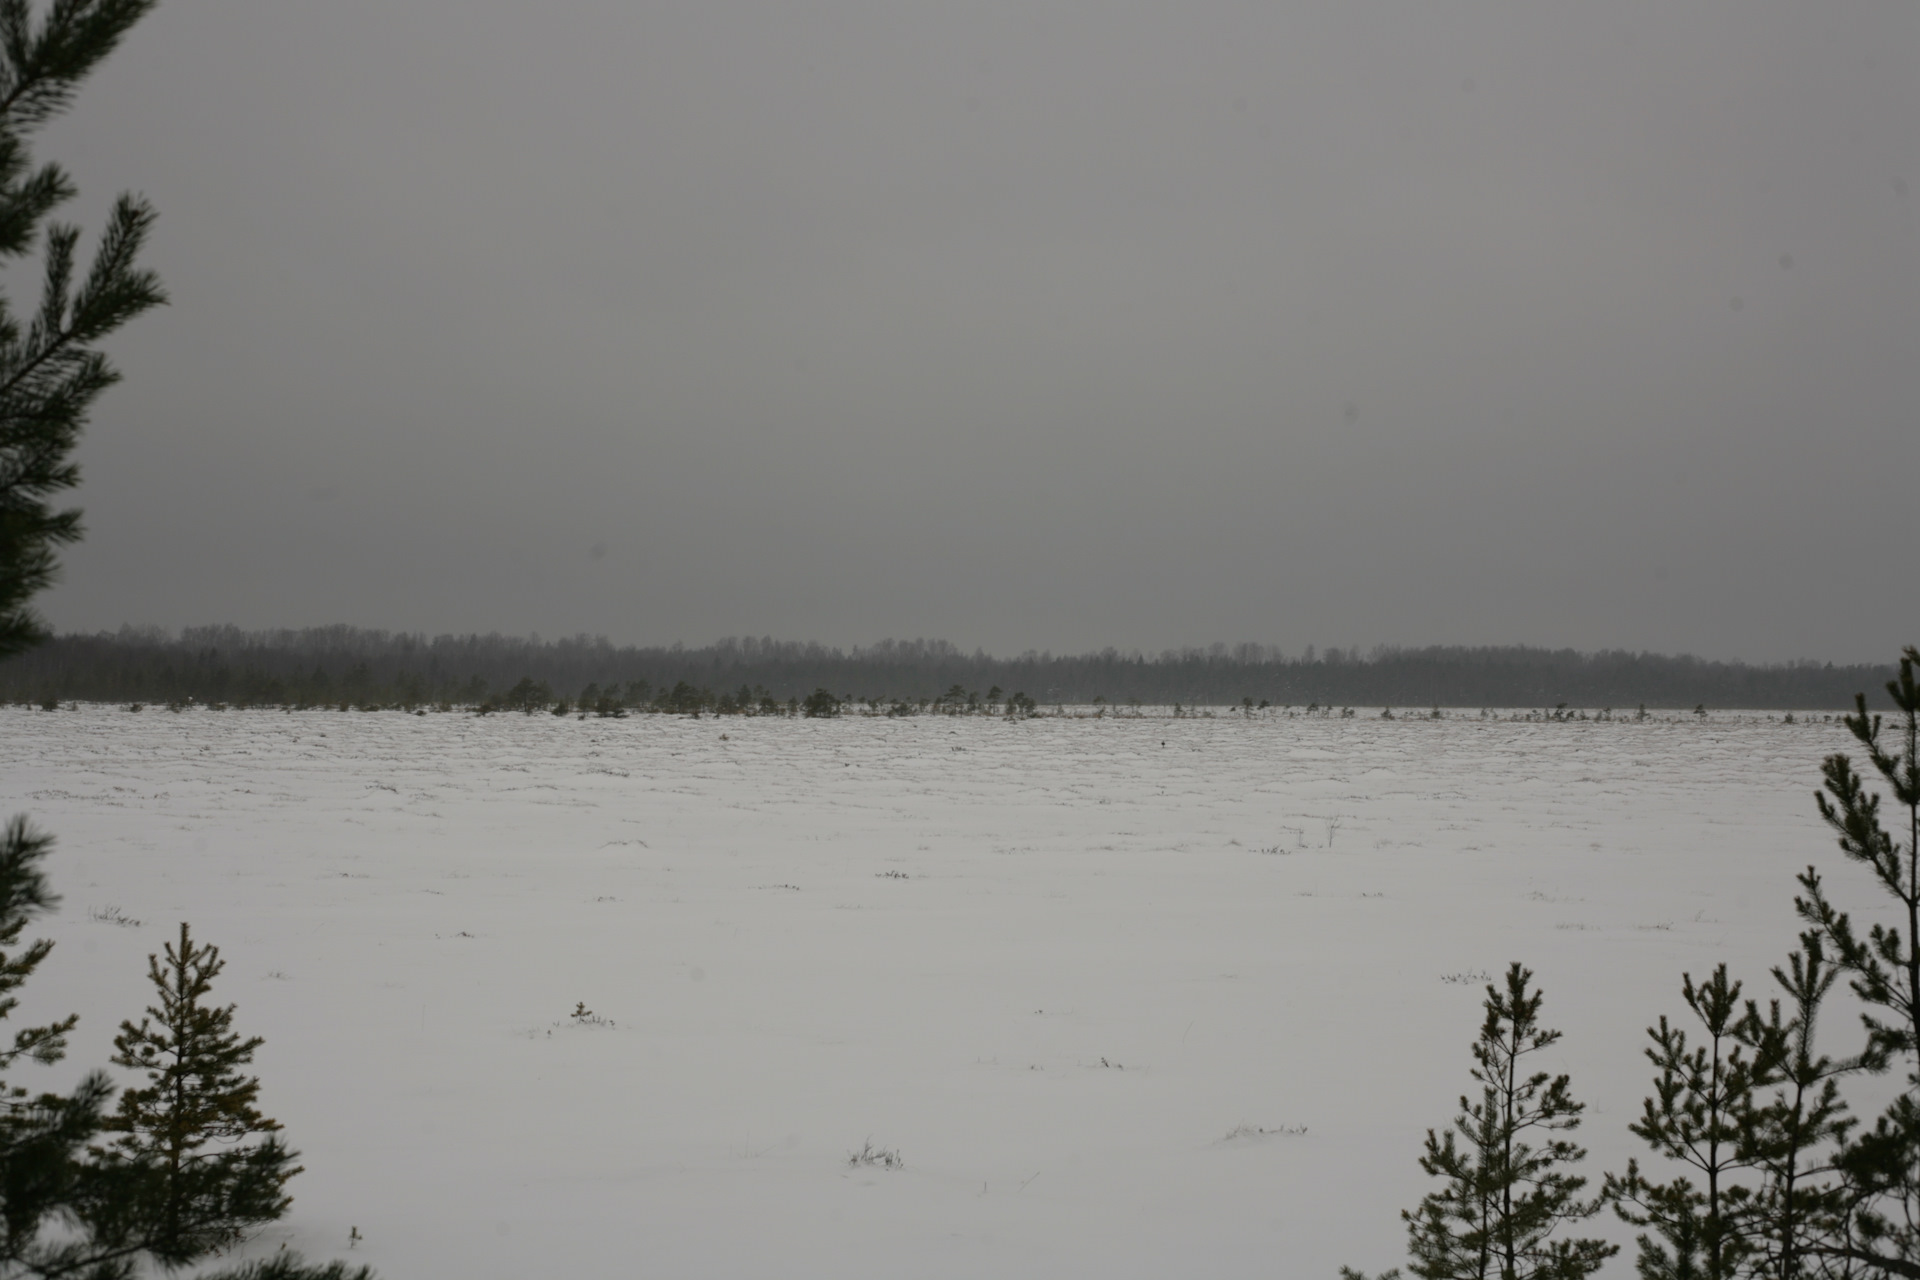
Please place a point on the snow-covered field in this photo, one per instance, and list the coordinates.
(1128, 997)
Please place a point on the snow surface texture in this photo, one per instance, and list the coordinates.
(1123, 997)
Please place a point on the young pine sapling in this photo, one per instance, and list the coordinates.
(219, 1167)
(1882, 1165)
(1507, 1181)
(1699, 1117)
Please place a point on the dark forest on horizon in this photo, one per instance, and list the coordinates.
(341, 665)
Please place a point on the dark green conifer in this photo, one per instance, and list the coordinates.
(218, 1166)
(1882, 1165)
(46, 1181)
(1700, 1117)
(528, 696)
(1507, 1186)
(51, 371)
(1801, 1214)
(65, 1209)
(50, 368)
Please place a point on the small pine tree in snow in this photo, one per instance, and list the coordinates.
(1702, 1116)
(1804, 1217)
(218, 1166)
(1881, 1165)
(1507, 1185)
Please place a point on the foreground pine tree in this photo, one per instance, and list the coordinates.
(58, 1209)
(1802, 1212)
(1506, 1181)
(216, 1166)
(66, 1209)
(1700, 1117)
(50, 369)
(1879, 1234)
(45, 1179)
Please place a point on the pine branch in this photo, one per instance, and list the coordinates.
(113, 294)
(41, 69)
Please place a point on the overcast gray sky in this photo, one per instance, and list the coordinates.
(1023, 324)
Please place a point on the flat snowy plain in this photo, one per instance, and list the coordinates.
(1129, 997)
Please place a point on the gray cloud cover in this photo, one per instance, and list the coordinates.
(1022, 324)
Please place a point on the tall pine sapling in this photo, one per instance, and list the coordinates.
(1507, 1183)
(219, 1166)
(1799, 1216)
(1698, 1117)
(1883, 1164)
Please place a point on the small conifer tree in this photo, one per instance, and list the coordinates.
(218, 1165)
(1505, 1193)
(1700, 1117)
(1802, 1212)
(1881, 1166)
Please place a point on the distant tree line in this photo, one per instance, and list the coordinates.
(326, 666)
